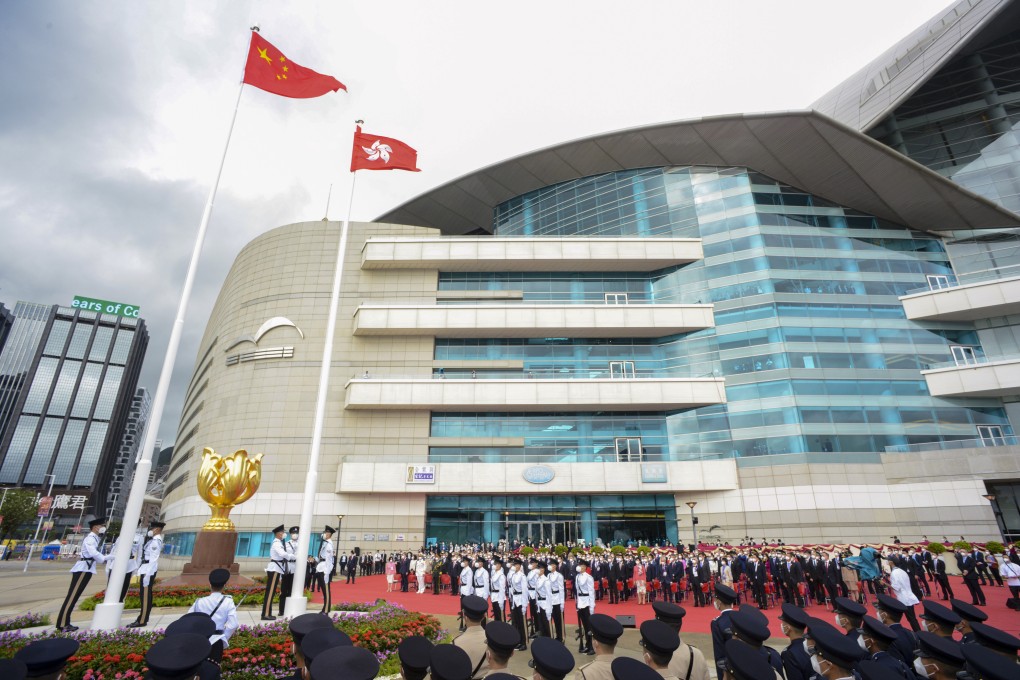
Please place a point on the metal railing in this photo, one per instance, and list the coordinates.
(524, 374)
(1005, 440)
(974, 361)
(1009, 272)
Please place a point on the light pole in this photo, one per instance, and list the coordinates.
(339, 528)
(38, 526)
(694, 522)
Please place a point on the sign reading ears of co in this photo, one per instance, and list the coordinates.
(105, 307)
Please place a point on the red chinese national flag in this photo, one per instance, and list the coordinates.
(372, 152)
(267, 69)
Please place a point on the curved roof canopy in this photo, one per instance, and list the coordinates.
(804, 149)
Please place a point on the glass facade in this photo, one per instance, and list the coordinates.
(69, 402)
(19, 351)
(249, 543)
(615, 519)
(810, 333)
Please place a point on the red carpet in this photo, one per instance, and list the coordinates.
(370, 588)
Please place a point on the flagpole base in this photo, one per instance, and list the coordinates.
(107, 616)
(296, 606)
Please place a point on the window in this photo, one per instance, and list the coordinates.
(963, 355)
(937, 281)
(90, 455)
(991, 435)
(628, 449)
(621, 369)
(616, 298)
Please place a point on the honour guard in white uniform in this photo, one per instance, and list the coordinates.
(584, 589)
(152, 548)
(497, 590)
(82, 571)
(480, 582)
(287, 579)
(519, 600)
(277, 567)
(532, 595)
(132, 565)
(324, 566)
(221, 609)
(557, 596)
(543, 601)
(467, 579)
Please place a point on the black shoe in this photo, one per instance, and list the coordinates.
(268, 618)
(533, 636)
(68, 629)
(521, 648)
(589, 651)
(136, 624)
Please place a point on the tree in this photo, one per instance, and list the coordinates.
(19, 508)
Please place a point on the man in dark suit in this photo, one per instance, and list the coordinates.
(968, 567)
(982, 567)
(404, 569)
(919, 572)
(939, 567)
(756, 576)
(794, 579)
(833, 577)
(614, 574)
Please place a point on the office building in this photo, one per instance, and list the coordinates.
(584, 342)
(124, 468)
(71, 377)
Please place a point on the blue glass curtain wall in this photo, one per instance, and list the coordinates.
(806, 308)
(249, 543)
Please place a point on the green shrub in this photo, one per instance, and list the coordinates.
(936, 548)
(995, 548)
(643, 550)
(560, 550)
(527, 551)
(962, 545)
(618, 550)
(597, 550)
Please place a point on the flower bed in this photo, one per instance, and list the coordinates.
(29, 620)
(255, 653)
(181, 596)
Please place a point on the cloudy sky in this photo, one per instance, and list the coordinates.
(113, 116)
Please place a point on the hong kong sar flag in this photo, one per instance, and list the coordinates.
(373, 152)
(268, 69)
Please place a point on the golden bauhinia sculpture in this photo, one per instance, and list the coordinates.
(226, 481)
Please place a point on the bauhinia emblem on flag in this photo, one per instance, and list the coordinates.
(373, 152)
(268, 69)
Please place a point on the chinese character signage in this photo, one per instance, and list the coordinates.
(66, 502)
(654, 473)
(421, 474)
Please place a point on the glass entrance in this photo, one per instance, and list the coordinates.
(542, 532)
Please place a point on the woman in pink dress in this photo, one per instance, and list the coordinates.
(639, 583)
(391, 572)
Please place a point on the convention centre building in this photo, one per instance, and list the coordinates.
(799, 325)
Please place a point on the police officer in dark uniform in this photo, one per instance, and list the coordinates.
(501, 640)
(659, 641)
(550, 659)
(627, 668)
(937, 655)
(876, 638)
(606, 632)
(344, 663)
(299, 627)
(849, 615)
(749, 625)
(724, 598)
(999, 641)
(984, 664)
(181, 656)
(890, 611)
(939, 619)
(831, 647)
(796, 660)
(449, 663)
(744, 662)
(414, 653)
(47, 658)
(968, 614)
(319, 641)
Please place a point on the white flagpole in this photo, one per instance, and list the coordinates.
(107, 615)
(297, 603)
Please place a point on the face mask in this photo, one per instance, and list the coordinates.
(325, 537)
(921, 669)
(839, 624)
(293, 537)
(931, 628)
(803, 644)
(578, 570)
(862, 644)
(718, 607)
(102, 530)
(816, 665)
(149, 533)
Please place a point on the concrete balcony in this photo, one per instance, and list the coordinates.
(986, 377)
(967, 302)
(566, 478)
(553, 320)
(431, 394)
(451, 254)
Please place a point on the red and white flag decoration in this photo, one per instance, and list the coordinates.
(373, 152)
